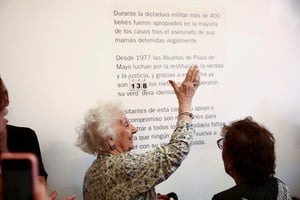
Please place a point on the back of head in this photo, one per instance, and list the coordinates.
(249, 147)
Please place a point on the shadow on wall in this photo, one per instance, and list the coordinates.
(61, 175)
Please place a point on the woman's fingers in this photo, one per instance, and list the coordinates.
(191, 81)
(195, 76)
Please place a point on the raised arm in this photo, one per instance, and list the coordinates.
(185, 92)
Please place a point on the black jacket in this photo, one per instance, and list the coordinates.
(22, 139)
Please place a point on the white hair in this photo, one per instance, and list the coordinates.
(99, 124)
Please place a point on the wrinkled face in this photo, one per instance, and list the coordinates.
(124, 134)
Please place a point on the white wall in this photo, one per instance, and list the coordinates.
(58, 57)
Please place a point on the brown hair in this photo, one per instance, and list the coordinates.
(250, 148)
(4, 100)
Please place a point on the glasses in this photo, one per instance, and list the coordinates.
(220, 143)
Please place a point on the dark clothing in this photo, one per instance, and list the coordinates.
(266, 190)
(22, 139)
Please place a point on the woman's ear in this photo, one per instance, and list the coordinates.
(111, 143)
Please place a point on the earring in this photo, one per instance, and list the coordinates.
(112, 147)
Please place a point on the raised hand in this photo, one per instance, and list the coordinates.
(185, 92)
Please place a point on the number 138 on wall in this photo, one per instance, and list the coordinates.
(138, 85)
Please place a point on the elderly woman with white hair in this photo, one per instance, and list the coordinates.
(119, 173)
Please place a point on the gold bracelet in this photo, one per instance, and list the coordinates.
(186, 113)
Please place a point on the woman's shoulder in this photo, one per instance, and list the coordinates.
(17, 133)
(12, 129)
(283, 190)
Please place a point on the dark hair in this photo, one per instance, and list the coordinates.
(4, 101)
(250, 147)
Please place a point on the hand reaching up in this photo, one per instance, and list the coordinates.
(185, 92)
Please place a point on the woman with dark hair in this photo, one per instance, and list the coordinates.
(20, 139)
(249, 158)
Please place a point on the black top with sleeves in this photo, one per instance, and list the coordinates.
(22, 139)
(270, 189)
